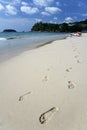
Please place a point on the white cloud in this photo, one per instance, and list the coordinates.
(29, 10)
(38, 20)
(11, 10)
(53, 10)
(68, 19)
(42, 2)
(80, 4)
(65, 4)
(1, 7)
(51, 21)
(45, 13)
(24, 3)
(84, 14)
(55, 18)
(57, 3)
(10, 1)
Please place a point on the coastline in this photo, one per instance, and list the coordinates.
(9, 53)
(49, 42)
(49, 79)
(46, 43)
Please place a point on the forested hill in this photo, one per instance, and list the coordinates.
(64, 27)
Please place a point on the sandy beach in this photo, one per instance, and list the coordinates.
(46, 88)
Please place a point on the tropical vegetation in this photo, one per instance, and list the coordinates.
(63, 27)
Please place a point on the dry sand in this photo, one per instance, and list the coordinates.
(46, 88)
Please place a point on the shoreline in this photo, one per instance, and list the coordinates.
(46, 88)
(9, 55)
(49, 42)
(18, 53)
(46, 43)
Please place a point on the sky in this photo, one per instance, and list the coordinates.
(21, 15)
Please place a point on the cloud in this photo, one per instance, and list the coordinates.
(24, 3)
(1, 7)
(68, 19)
(29, 10)
(51, 21)
(65, 4)
(17, 1)
(11, 2)
(85, 14)
(55, 18)
(11, 10)
(80, 4)
(38, 20)
(42, 2)
(57, 3)
(45, 13)
(52, 10)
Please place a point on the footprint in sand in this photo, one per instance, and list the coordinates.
(46, 116)
(78, 61)
(68, 70)
(48, 69)
(76, 56)
(45, 79)
(75, 49)
(71, 85)
(22, 96)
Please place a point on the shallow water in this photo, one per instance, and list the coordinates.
(12, 44)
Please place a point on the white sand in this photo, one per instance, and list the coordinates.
(54, 75)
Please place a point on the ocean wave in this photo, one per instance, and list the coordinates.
(16, 37)
(3, 39)
(9, 38)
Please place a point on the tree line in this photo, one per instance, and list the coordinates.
(63, 27)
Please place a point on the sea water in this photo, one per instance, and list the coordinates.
(14, 43)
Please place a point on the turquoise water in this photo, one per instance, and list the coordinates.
(12, 44)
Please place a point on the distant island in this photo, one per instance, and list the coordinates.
(9, 30)
(64, 27)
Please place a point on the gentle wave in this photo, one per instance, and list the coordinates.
(11, 38)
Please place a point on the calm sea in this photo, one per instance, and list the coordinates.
(12, 44)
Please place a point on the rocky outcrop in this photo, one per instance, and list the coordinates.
(9, 30)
